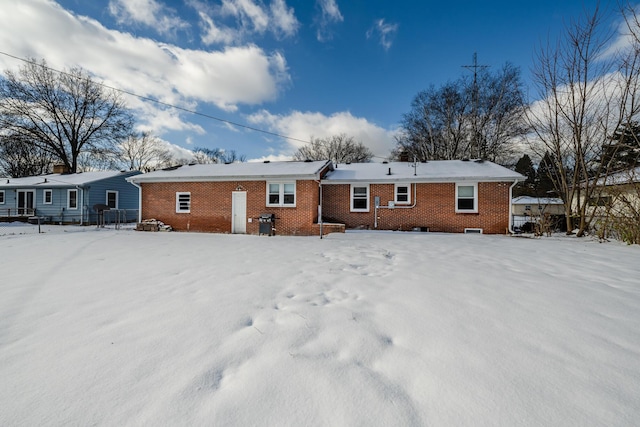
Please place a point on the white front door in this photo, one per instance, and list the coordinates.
(239, 212)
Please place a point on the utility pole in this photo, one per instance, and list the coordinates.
(474, 100)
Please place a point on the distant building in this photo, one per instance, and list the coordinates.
(68, 198)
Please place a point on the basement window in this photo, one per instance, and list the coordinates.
(183, 202)
(473, 231)
(467, 198)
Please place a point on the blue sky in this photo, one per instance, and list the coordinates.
(299, 68)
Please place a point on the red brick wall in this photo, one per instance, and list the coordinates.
(435, 208)
(211, 206)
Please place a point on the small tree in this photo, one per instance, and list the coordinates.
(338, 148)
(64, 114)
(586, 94)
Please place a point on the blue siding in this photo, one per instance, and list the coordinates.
(89, 194)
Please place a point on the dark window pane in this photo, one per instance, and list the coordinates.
(359, 203)
(111, 200)
(465, 204)
(274, 199)
(289, 199)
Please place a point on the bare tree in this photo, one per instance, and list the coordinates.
(337, 148)
(144, 152)
(586, 93)
(203, 155)
(481, 118)
(19, 158)
(63, 113)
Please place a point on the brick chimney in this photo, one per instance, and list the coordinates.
(60, 168)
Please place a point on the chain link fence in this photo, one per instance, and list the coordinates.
(13, 223)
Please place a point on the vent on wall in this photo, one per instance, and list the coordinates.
(473, 231)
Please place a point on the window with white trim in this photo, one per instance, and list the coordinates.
(467, 198)
(112, 199)
(47, 197)
(403, 194)
(359, 198)
(1, 197)
(72, 199)
(183, 202)
(281, 194)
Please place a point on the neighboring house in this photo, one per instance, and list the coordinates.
(453, 196)
(230, 198)
(449, 196)
(68, 198)
(617, 195)
(530, 209)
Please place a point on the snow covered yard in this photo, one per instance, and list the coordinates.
(105, 327)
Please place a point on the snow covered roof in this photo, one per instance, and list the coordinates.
(251, 171)
(529, 200)
(622, 177)
(433, 171)
(62, 180)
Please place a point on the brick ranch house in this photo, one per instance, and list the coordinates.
(453, 196)
(230, 198)
(448, 196)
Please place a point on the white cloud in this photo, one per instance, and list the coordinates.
(183, 77)
(178, 152)
(147, 12)
(304, 125)
(249, 18)
(213, 34)
(384, 32)
(284, 18)
(329, 14)
(250, 14)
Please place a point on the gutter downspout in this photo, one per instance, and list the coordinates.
(139, 200)
(320, 207)
(510, 228)
(81, 191)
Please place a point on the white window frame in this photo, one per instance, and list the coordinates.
(106, 200)
(69, 207)
(44, 197)
(351, 198)
(179, 206)
(408, 194)
(281, 194)
(2, 197)
(475, 197)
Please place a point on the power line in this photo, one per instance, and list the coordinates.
(166, 104)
